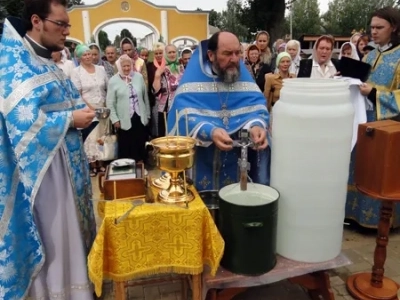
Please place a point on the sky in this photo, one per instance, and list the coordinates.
(140, 30)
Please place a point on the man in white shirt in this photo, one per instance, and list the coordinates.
(64, 64)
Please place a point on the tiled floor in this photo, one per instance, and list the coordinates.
(358, 245)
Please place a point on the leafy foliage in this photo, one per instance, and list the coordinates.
(343, 16)
(264, 15)
(230, 20)
(305, 18)
(12, 8)
(125, 33)
(103, 40)
(117, 41)
(215, 18)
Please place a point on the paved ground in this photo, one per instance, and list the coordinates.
(358, 245)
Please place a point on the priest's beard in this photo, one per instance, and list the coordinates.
(230, 74)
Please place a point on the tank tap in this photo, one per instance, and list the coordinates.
(244, 165)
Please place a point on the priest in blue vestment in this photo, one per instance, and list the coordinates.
(219, 98)
(46, 218)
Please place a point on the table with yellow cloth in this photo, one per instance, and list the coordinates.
(154, 239)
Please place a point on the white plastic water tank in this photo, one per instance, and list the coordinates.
(311, 138)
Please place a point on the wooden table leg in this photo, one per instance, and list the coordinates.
(374, 286)
(197, 287)
(120, 293)
(317, 284)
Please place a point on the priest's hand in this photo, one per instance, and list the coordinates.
(83, 117)
(259, 137)
(222, 139)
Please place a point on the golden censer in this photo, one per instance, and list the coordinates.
(174, 154)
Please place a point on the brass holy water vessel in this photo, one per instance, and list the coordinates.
(174, 154)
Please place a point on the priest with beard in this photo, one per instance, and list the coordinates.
(219, 98)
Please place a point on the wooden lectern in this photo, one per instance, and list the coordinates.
(377, 174)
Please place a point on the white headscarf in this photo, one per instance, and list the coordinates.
(186, 49)
(295, 65)
(354, 54)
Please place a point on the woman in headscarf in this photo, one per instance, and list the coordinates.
(91, 81)
(96, 57)
(293, 47)
(274, 82)
(348, 50)
(281, 49)
(252, 61)
(262, 42)
(321, 64)
(128, 101)
(166, 81)
(152, 67)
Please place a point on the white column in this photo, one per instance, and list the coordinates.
(164, 26)
(86, 26)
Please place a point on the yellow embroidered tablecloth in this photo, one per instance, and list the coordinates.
(154, 239)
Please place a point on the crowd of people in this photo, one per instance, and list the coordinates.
(48, 97)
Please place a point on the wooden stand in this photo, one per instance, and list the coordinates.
(317, 284)
(195, 281)
(375, 286)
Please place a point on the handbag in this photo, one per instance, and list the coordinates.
(108, 149)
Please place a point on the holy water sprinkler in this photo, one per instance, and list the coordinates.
(243, 162)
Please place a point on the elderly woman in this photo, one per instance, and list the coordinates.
(130, 109)
(91, 81)
(274, 82)
(293, 47)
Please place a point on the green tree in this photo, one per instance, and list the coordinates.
(286, 26)
(231, 19)
(12, 8)
(125, 33)
(215, 18)
(117, 41)
(305, 18)
(343, 16)
(103, 40)
(264, 15)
